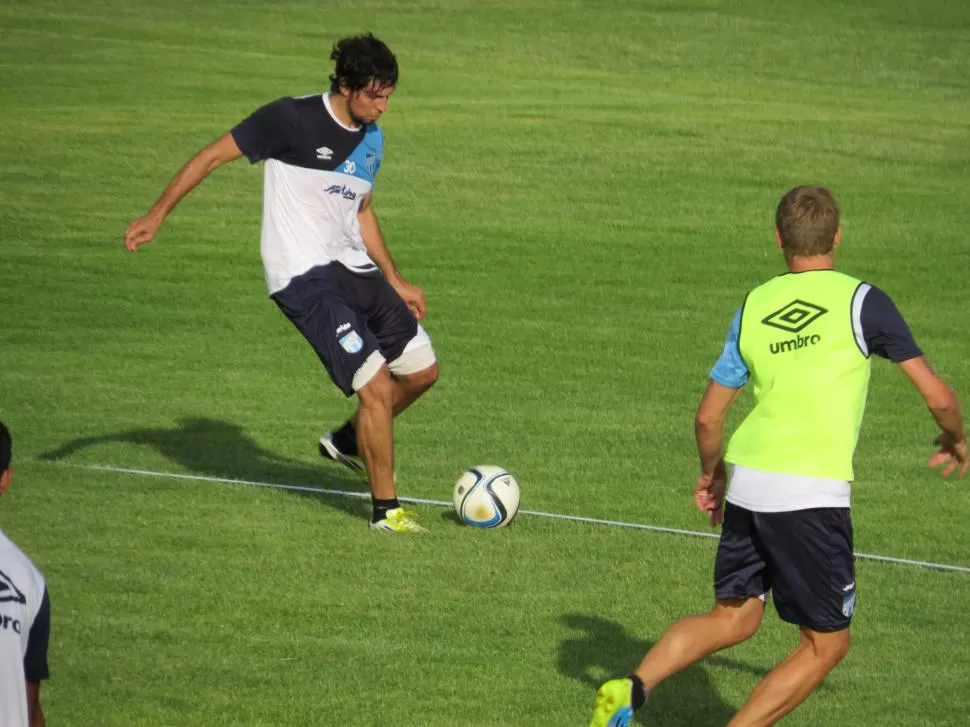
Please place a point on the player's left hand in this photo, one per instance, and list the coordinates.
(412, 295)
(952, 456)
(709, 493)
(141, 232)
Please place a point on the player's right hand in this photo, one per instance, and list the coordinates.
(952, 455)
(412, 295)
(140, 231)
(709, 494)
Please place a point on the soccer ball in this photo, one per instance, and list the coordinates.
(486, 496)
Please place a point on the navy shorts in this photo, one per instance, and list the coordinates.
(803, 557)
(346, 317)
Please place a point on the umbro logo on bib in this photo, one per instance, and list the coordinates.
(325, 153)
(795, 317)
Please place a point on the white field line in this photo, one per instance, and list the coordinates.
(534, 513)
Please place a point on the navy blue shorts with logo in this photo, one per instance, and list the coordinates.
(346, 316)
(803, 557)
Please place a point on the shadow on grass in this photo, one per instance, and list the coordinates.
(605, 650)
(220, 449)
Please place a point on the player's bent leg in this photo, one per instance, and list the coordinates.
(375, 438)
(790, 683)
(692, 638)
(375, 441)
(413, 372)
(341, 445)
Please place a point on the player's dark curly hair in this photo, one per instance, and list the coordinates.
(361, 59)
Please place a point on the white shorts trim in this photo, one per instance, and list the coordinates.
(418, 355)
(368, 370)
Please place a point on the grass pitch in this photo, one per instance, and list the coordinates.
(585, 190)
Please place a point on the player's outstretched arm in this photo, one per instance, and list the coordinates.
(944, 405)
(221, 151)
(370, 231)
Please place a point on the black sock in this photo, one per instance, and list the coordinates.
(638, 692)
(382, 506)
(345, 439)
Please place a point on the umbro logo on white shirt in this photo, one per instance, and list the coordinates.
(9, 591)
(325, 153)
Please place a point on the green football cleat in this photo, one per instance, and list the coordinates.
(613, 705)
(399, 520)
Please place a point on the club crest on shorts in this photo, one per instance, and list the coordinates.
(848, 605)
(351, 343)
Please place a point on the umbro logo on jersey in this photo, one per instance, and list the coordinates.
(9, 622)
(795, 316)
(10, 592)
(325, 153)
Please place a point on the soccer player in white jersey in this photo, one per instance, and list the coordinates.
(326, 263)
(804, 340)
(25, 622)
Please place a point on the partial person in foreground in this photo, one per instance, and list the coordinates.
(326, 262)
(25, 621)
(804, 339)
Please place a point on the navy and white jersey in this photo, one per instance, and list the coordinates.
(878, 325)
(24, 631)
(317, 172)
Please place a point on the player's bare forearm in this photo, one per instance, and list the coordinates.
(949, 417)
(370, 231)
(940, 399)
(200, 166)
(709, 424)
(710, 444)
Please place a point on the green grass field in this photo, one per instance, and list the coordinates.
(586, 191)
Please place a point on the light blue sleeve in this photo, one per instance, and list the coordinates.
(730, 369)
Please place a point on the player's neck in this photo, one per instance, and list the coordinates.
(798, 264)
(341, 111)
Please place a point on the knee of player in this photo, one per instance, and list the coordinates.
(831, 647)
(428, 376)
(741, 620)
(378, 391)
(838, 650)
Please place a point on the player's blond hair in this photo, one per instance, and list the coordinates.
(807, 220)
